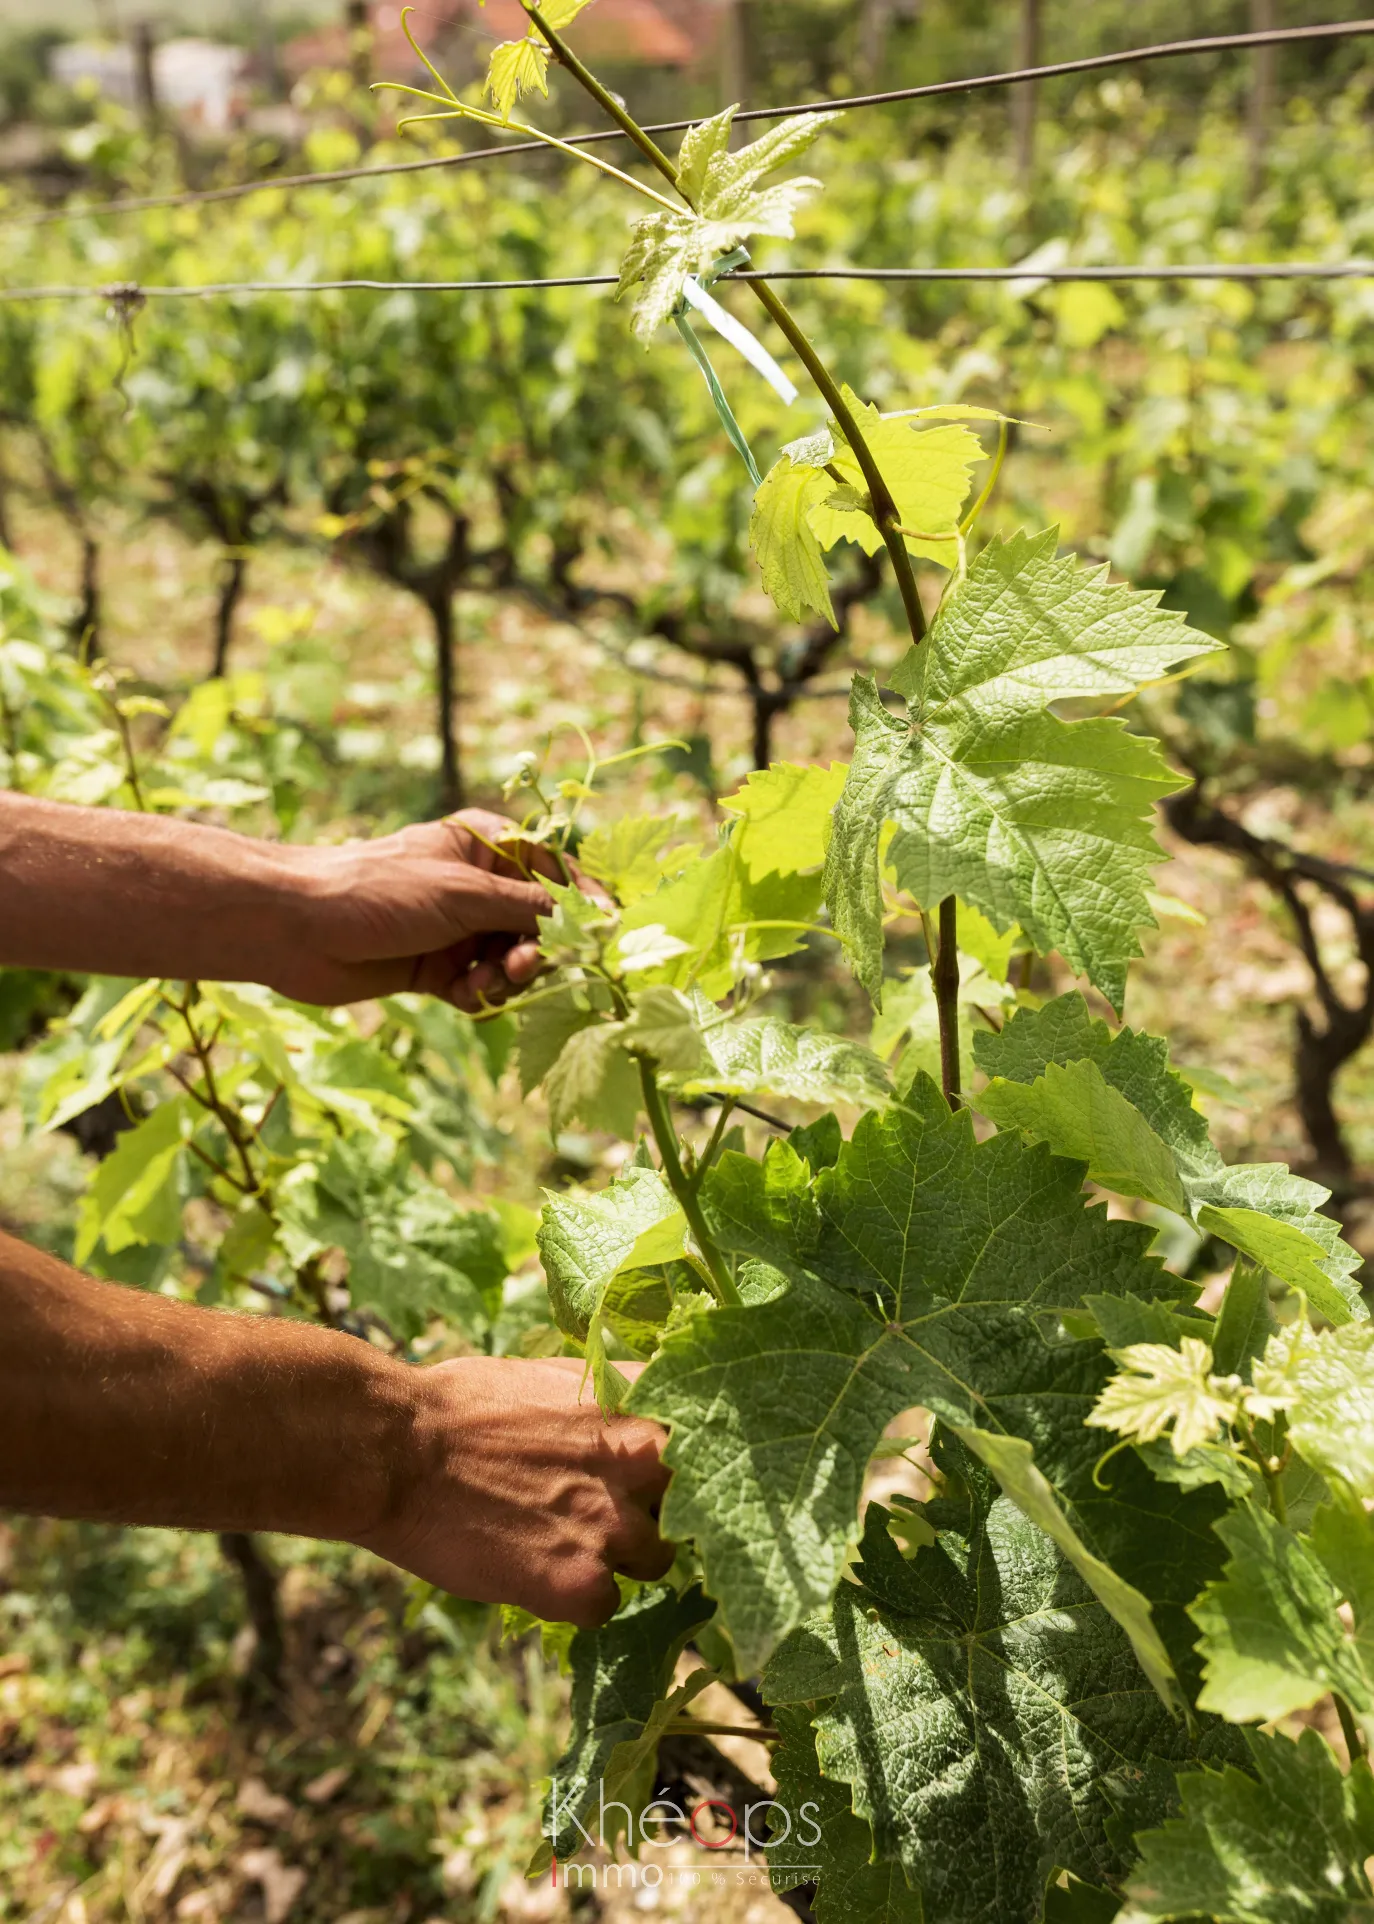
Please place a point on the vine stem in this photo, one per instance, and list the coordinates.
(680, 1184)
(1354, 1743)
(708, 1154)
(696, 1727)
(1278, 1503)
(200, 1048)
(944, 976)
(884, 507)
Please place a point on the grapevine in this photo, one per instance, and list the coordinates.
(1034, 1694)
(1065, 1683)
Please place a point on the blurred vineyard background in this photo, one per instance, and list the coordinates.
(316, 565)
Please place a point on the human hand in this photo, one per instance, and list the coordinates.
(447, 908)
(520, 1491)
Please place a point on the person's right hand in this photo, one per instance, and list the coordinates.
(447, 908)
(520, 1491)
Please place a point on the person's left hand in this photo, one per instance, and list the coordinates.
(447, 908)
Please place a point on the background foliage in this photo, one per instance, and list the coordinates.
(338, 558)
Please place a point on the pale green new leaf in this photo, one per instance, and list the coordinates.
(769, 1056)
(1272, 1639)
(663, 1025)
(731, 205)
(1323, 1381)
(570, 932)
(134, 1196)
(991, 1715)
(649, 947)
(561, 13)
(927, 473)
(594, 1082)
(587, 1239)
(785, 544)
(726, 917)
(1032, 820)
(522, 66)
(1286, 1845)
(1159, 1386)
(629, 854)
(785, 815)
(517, 67)
(723, 183)
(619, 1674)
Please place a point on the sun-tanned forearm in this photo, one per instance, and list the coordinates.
(120, 893)
(128, 1407)
(444, 907)
(493, 1478)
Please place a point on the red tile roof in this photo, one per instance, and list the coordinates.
(615, 32)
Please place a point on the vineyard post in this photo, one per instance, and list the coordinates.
(1026, 96)
(1263, 19)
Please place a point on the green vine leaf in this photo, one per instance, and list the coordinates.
(586, 1240)
(785, 816)
(1113, 1102)
(1163, 1384)
(851, 1884)
(988, 1693)
(632, 855)
(731, 204)
(522, 66)
(1323, 1382)
(785, 544)
(413, 1252)
(594, 1082)
(726, 918)
(778, 1058)
(926, 469)
(547, 1025)
(663, 1025)
(1285, 1845)
(620, 1673)
(135, 1197)
(1272, 1638)
(1075, 1109)
(1030, 819)
(919, 1270)
(756, 1208)
(517, 67)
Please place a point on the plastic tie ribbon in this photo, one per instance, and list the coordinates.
(695, 294)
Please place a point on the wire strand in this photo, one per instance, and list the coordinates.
(1094, 63)
(117, 292)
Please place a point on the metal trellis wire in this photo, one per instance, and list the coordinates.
(123, 293)
(1094, 63)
